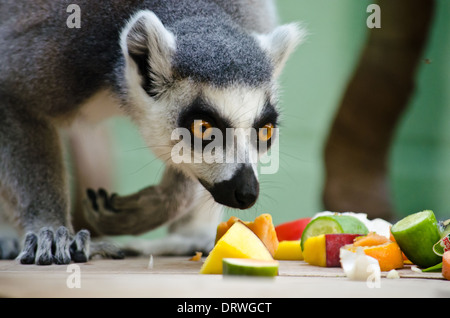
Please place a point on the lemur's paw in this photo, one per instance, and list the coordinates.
(108, 250)
(49, 247)
(100, 201)
(9, 247)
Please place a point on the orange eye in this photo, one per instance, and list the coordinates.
(201, 129)
(266, 132)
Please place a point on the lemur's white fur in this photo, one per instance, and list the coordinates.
(281, 42)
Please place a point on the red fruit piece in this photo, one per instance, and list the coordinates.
(446, 265)
(291, 231)
(333, 243)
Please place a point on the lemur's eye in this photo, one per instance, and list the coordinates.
(201, 129)
(265, 132)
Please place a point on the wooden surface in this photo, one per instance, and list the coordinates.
(178, 277)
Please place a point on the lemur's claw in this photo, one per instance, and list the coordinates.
(100, 200)
(49, 247)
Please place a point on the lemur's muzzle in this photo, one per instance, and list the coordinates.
(241, 191)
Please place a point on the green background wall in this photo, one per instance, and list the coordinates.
(312, 86)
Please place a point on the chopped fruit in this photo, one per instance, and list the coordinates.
(330, 224)
(379, 247)
(416, 234)
(291, 231)
(238, 242)
(314, 251)
(323, 250)
(333, 243)
(223, 227)
(370, 239)
(196, 257)
(249, 267)
(262, 226)
(446, 265)
(289, 250)
(406, 261)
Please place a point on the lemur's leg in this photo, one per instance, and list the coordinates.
(88, 144)
(195, 232)
(145, 210)
(9, 238)
(357, 149)
(32, 180)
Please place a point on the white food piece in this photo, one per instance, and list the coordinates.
(416, 269)
(150, 262)
(359, 266)
(393, 274)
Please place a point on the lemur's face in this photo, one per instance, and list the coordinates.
(210, 112)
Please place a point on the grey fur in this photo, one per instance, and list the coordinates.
(28, 254)
(34, 37)
(44, 247)
(48, 71)
(222, 55)
(79, 248)
(9, 240)
(144, 210)
(62, 244)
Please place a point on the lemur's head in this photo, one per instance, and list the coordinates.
(189, 84)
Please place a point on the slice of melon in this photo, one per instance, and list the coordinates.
(238, 242)
(262, 226)
(249, 267)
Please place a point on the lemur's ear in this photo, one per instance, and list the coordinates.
(151, 46)
(280, 43)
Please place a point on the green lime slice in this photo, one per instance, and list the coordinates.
(331, 224)
(249, 267)
(416, 234)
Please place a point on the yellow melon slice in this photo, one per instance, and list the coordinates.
(238, 242)
(262, 226)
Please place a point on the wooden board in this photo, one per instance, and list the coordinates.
(178, 277)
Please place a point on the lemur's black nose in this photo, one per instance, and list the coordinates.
(245, 199)
(241, 191)
(247, 188)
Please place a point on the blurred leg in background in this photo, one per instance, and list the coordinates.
(376, 97)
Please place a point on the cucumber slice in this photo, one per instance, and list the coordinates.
(416, 234)
(249, 267)
(331, 224)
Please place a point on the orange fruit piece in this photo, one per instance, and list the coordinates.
(370, 240)
(197, 257)
(262, 226)
(387, 253)
(223, 227)
(446, 265)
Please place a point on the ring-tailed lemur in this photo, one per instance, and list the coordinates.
(165, 64)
